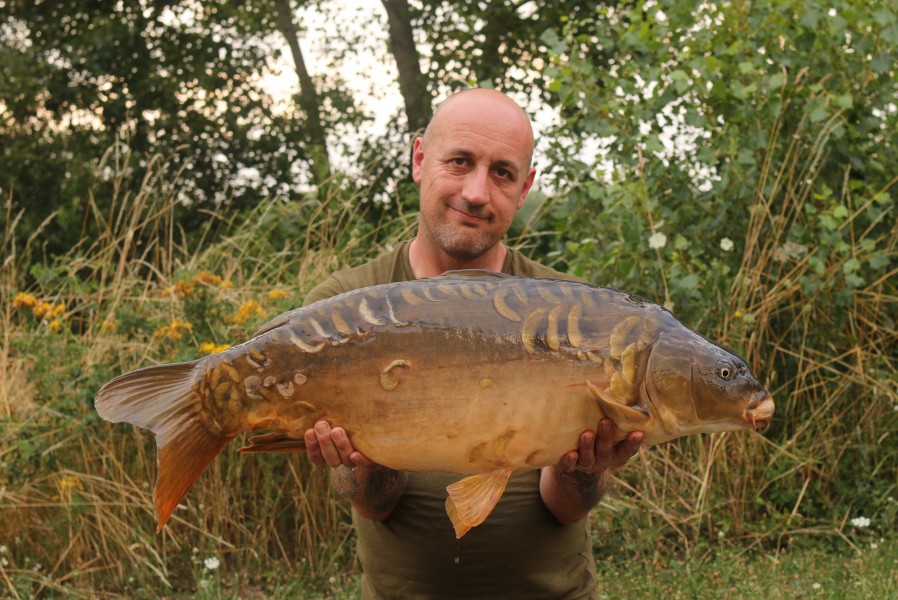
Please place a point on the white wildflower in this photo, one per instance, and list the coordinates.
(3, 562)
(832, 12)
(211, 563)
(860, 522)
(657, 240)
(3, 549)
(726, 244)
(816, 586)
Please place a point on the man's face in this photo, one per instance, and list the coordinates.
(473, 167)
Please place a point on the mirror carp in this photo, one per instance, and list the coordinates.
(471, 372)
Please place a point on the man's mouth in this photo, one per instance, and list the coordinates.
(468, 216)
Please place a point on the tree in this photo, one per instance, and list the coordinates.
(170, 78)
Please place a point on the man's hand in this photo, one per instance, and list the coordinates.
(574, 485)
(597, 451)
(372, 489)
(332, 447)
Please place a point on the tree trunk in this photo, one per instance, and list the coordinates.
(412, 82)
(309, 100)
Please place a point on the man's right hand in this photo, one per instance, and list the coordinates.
(372, 489)
(331, 446)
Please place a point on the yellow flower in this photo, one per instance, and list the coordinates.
(108, 326)
(247, 310)
(277, 294)
(41, 309)
(208, 278)
(56, 311)
(55, 325)
(738, 314)
(183, 289)
(69, 482)
(212, 348)
(23, 299)
(174, 330)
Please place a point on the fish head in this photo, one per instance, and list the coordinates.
(695, 386)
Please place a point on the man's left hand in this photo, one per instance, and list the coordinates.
(597, 451)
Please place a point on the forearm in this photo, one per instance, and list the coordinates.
(373, 491)
(570, 495)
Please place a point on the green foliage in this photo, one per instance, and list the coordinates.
(694, 108)
(736, 162)
(177, 79)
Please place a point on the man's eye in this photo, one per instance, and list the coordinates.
(504, 173)
(459, 162)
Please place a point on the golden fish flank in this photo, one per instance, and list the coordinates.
(471, 372)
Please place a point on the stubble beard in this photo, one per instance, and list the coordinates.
(461, 243)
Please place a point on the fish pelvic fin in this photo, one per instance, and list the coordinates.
(162, 399)
(472, 499)
(627, 418)
(276, 441)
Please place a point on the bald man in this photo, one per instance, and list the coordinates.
(473, 166)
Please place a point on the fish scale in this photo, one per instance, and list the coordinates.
(470, 372)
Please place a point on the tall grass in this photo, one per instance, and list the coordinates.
(76, 492)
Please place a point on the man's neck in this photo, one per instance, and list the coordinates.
(430, 263)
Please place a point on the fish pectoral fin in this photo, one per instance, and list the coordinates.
(627, 418)
(472, 499)
(276, 441)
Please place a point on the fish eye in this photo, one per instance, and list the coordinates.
(725, 371)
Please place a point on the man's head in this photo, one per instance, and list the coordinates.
(473, 166)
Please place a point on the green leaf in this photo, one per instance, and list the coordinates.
(851, 265)
(818, 114)
(775, 81)
(878, 260)
(843, 101)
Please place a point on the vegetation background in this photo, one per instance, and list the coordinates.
(735, 161)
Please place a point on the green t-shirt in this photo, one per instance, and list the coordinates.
(521, 551)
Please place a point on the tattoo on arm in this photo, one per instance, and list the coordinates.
(590, 487)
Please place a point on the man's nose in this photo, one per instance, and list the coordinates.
(475, 189)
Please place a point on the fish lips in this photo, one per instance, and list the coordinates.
(760, 410)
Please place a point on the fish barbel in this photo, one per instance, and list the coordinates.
(472, 372)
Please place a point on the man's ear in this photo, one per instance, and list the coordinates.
(417, 159)
(528, 183)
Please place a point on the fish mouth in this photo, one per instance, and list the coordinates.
(759, 411)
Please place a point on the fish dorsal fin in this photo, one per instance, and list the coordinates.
(627, 418)
(281, 319)
(468, 273)
(472, 499)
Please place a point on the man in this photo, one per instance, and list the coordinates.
(473, 168)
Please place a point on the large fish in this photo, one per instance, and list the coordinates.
(471, 372)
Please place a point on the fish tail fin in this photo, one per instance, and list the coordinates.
(162, 399)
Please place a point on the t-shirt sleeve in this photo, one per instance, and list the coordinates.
(326, 289)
